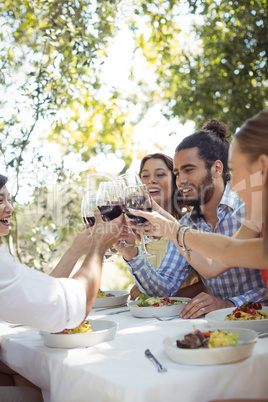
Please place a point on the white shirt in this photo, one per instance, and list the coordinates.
(38, 300)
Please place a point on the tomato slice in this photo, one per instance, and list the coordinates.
(251, 311)
(237, 309)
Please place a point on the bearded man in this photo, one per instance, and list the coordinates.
(201, 169)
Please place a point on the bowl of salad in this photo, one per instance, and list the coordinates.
(146, 306)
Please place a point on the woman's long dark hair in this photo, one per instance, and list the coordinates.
(3, 180)
(175, 207)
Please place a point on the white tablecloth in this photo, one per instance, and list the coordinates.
(117, 371)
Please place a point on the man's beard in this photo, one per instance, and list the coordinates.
(204, 193)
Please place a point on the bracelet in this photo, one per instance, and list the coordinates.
(178, 232)
(186, 251)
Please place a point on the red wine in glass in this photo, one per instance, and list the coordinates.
(139, 220)
(137, 202)
(138, 198)
(89, 220)
(110, 212)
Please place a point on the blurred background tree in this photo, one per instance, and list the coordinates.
(199, 60)
(219, 70)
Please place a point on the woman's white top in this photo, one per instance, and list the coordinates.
(33, 298)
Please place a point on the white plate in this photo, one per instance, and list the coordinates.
(217, 317)
(162, 311)
(103, 331)
(221, 355)
(120, 297)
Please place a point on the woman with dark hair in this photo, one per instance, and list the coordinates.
(156, 171)
(248, 162)
(158, 168)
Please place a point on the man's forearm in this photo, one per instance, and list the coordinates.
(90, 273)
(65, 266)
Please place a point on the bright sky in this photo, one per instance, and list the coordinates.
(153, 131)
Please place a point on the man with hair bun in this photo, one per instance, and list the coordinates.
(201, 169)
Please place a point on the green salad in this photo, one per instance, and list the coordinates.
(146, 301)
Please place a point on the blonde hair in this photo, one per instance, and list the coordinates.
(252, 139)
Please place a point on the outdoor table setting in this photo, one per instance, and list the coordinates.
(116, 368)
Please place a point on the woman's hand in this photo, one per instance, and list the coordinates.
(156, 225)
(81, 242)
(127, 234)
(105, 234)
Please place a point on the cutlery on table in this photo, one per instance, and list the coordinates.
(118, 312)
(15, 325)
(108, 307)
(166, 319)
(155, 362)
(263, 335)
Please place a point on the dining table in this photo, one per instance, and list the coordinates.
(118, 370)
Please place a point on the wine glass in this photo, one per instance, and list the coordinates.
(138, 197)
(130, 179)
(109, 199)
(133, 179)
(115, 190)
(89, 202)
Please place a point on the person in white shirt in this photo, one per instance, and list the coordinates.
(53, 302)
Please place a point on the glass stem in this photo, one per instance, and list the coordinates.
(143, 245)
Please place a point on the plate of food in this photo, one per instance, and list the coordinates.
(146, 306)
(212, 346)
(111, 298)
(89, 333)
(250, 315)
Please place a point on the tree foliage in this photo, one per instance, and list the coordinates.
(51, 58)
(222, 71)
(51, 55)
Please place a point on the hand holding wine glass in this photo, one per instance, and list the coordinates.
(90, 201)
(105, 233)
(138, 198)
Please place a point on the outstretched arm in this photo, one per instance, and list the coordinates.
(227, 251)
(104, 235)
(79, 247)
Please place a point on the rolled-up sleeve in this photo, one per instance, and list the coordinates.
(33, 298)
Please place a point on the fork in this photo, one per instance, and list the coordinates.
(155, 362)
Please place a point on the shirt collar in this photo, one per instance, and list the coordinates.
(229, 199)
